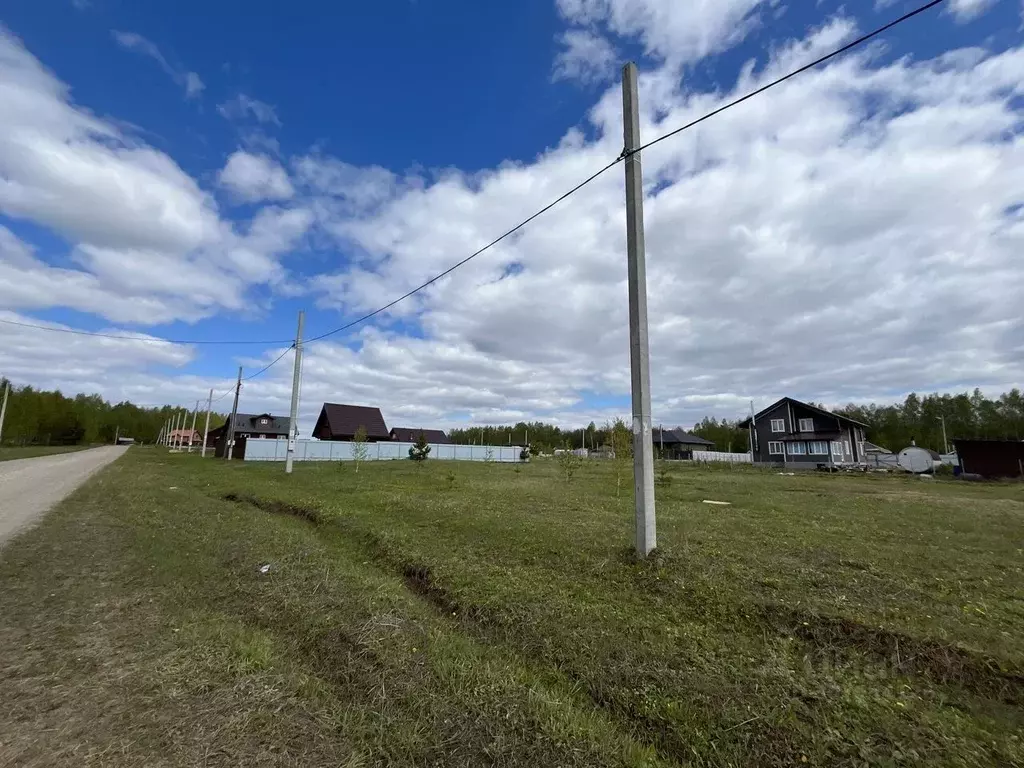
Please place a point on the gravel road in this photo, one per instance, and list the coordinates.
(30, 487)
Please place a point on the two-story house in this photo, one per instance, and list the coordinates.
(790, 432)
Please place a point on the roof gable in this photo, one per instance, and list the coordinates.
(250, 422)
(760, 414)
(410, 435)
(677, 437)
(347, 419)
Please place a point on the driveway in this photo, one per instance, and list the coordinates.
(31, 487)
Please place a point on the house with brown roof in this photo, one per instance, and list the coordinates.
(185, 437)
(411, 434)
(341, 422)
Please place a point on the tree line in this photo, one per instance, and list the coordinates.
(917, 419)
(49, 417)
(41, 417)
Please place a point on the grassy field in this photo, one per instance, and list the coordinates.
(472, 614)
(10, 452)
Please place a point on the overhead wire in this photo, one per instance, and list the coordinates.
(817, 62)
(508, 233)
(471, 256)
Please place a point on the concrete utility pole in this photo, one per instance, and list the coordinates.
(117, 434)
(3, 408)
(230, 436)
(206, 429)
(753, 428)
(293, 431)
(639, 352)
(195, 412)
(174, 428)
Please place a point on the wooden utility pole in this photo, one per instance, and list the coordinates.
(206, 429)
(639, 351)
(945, 442)
(230, 435)
(195, 412)
(293, 430)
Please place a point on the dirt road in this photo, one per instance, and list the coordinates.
(30, 487)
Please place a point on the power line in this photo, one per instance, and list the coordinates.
(146, 339)
(271, 365)
(817, 62)
(471, 256)
(260, 372)
(838, 52)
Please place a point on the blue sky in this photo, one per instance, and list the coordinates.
(376, 144)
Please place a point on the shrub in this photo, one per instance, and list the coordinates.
(420, 450)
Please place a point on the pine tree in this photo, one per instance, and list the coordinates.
(420, 450)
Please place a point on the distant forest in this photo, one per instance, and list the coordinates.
(49, 418)
(917, 419)
(39, 417)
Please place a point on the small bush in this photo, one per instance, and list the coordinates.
(568, 462)
(663, 478)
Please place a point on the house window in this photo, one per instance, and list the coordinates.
(796, 449)
(775, 448)
(806, 425)
(778, 425)
(837, 448)
(846, 446)
(818, 447)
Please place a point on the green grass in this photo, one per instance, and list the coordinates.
(10, 452)
(471, 614)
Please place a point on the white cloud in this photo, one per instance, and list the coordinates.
(962, 10)
(965, 10)
(846, 237)
(243, 107)
(140, 228)
(852, 235)
(253, 178)
(678, 32)
(586, 58)
(132, 41)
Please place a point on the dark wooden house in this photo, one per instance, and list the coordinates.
(249, 426)
(991, 458)
(677, 444)
(341, 422)
(411, 434)
(792, 433)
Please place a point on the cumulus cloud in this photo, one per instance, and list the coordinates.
(852, 236)
(141, 229)
(586, 57)
(132, 41)
(253, 178)
(243, 107)
(677, 32)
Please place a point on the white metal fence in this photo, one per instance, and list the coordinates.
(730, 458)
(329, 450)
